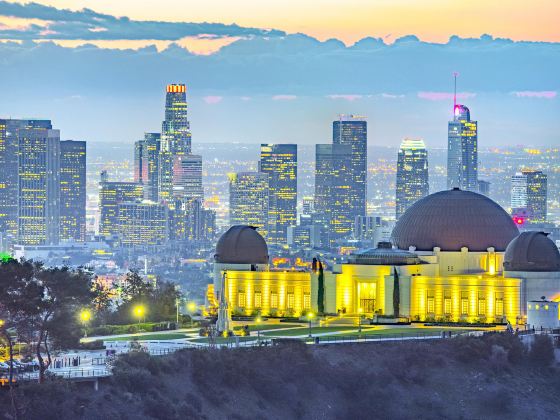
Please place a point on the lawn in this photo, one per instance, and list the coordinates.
(305, 330)
(265, 327)
(148, 337)
(223, 340)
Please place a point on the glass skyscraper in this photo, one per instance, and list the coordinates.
(351, 130)
(462, 150)
(73, 190)
(412, 174)
(146, 164)
(279, 162)
(187, 177)
(248, 200)
(529, 195)
(333, 183)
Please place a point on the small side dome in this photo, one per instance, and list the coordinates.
(532, 251)
(241, 244)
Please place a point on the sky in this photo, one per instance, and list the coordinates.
(280, 71)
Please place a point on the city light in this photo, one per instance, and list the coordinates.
(139, 312)
(85, 315)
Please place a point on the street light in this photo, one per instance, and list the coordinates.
(309, 318)
(191, 307)
(139, 311)
(85, 317)
(258, 321)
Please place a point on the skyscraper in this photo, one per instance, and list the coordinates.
(141, 224)
(9, 163)
(412, 174)
(351, 130)
(187, 177)
(39, 186)
(175, 137)
(279, 162)
(146, 164)
(333, 182)
(529, 195)
(72, 190)
(462, 149)
(111, 194)
(248, 200)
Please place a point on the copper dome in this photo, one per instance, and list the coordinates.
(241, 244)
(452, 220)
(532, 251)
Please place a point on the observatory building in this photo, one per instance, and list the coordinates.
(455, 256)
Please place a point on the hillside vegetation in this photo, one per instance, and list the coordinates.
(460, 378)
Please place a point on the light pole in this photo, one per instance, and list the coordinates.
(309, 318)
(258, 321)
(85, 316)
(191, 307)
(139, 311)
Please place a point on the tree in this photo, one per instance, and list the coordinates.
(136, 288)
(321, 289)
(396, 293)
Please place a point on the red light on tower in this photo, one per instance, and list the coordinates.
(518, 220)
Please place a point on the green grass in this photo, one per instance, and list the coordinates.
(148, 337)
(265, 327)
(303, 331)
(223, 340)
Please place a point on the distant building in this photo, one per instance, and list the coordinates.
(484, 187)
(364, 227)
(187, 177)
(111, 194)
(412, 174)
(351, 130)
(462, 150)
(308, 205)
(146, 164)
(248, 200)
(529, 195)
(9, 163)
(304, 236)
(73, 190)
(39, 186)
(279, 162)
(141, 224)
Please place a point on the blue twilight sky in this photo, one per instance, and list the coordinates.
(101, 76)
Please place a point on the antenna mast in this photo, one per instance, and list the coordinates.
(455, 74)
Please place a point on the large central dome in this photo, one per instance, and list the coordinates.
(452, 220)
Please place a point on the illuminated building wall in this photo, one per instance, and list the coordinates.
(146, 164)
(73, 190)
(142, 224)
(110, 195)
(187, 177)
(351, 130)
(333, 183)
(466, 298)
(462, 151)
(279, 162)
(39, 186)
(281, 293)
(9, 186)
(248, 200)
(412, 174)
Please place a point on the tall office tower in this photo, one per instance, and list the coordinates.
(39, 186)
(111, 194)
(364, 227)
(333, 180)
(412, 174)
(209, 232)
(529, 195)
(484, 187)
(187, 177)
(73, 190)
(146, 164)
(279, 162)
(9, 162)
(352, 130)
(462, 150)
(308, 205)
(248, 200)
(175, 137)
(142, 224)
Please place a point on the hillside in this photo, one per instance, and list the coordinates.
(490, 377)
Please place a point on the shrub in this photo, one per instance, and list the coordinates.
(542, 351)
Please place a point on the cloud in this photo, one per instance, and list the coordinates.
(391, 96)
(541, 94)
(444, 96)
(349, 98)
(211, 100)
(284, 97)
(87, 24)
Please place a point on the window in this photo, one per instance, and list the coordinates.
(258, 299)
(431, 306)
(481, 304)
(306, 301)
(241, 299)
(464, 303)
(291, 301)
(447, 303)
(274, 300)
